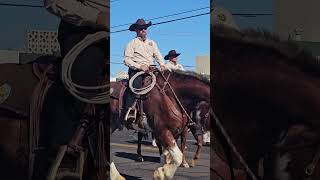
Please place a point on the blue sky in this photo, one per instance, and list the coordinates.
(191, 36)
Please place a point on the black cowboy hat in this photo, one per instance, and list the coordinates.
(140, 23)
(171, 53)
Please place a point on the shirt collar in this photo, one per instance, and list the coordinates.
(173, 63)
(142, 40)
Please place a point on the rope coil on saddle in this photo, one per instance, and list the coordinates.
(78, 90)
(143, 90)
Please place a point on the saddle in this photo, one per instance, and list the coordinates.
(117, 92)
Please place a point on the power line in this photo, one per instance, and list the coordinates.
(184, 12)
(252, 14)
(164, 22)
(21, 5)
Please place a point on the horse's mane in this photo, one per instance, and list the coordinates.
(192, 74)
(291, 52)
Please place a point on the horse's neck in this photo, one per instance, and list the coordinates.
(194, 88)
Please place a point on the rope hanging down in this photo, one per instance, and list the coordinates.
(78, 90)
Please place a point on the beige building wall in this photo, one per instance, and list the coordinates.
(203, 64)
(297, 18)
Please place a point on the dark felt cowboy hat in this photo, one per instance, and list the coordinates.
(140, 23)
(171, 53)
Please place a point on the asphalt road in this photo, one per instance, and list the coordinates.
(123, 154)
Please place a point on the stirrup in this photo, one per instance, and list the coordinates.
(129, 115)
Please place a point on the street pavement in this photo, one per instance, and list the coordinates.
(123, 154)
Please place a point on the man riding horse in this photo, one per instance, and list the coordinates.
(173, 64)
(138, 56)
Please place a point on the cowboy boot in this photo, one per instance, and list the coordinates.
(124, 121)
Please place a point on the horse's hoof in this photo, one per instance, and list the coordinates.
(193, 163)
(185, 165)
(154, 144)
(140, 159)
(159, 174)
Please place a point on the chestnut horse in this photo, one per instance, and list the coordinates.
(199, 116)
(266, 94)
(166, 117)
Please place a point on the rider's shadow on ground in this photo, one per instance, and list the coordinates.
(131, 177)
(134, 157)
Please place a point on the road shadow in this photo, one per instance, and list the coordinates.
(127, 177)
(147, 143)
(134, 157)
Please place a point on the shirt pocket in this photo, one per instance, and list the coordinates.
(140, 49)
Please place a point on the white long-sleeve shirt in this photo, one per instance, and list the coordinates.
(171, 66)
(139, 52)
(78, 12)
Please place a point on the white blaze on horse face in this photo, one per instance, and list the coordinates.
(111, 90)
(281, 166)
(198, 115)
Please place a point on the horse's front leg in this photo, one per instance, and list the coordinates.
(183, 148)
(140, 158)
(199, 148)
(168, 170)
(199, 137)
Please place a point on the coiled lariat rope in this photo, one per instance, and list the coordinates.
(143, 90)
(77, 90)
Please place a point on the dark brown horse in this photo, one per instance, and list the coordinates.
(17, 110)
(166, 117)
(201, 127)
(263, 88)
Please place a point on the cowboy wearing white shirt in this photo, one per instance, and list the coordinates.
(138, 56)
(172, 56)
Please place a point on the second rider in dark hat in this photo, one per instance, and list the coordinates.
(173, 64)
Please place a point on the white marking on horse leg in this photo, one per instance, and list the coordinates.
(166, 172)
(281, 165)
(175, 154)
(165, 158)
(114, 173)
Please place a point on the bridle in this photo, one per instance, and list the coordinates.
(233, 149)
(310, 168)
